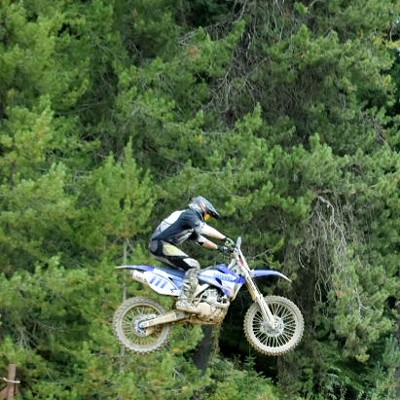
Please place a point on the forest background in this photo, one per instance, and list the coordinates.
(113, 113)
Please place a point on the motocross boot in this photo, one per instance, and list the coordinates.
(185, 300)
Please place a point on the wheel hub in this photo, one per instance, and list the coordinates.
(274, 331)
(136, 325)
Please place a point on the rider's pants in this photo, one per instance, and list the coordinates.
(172, 255)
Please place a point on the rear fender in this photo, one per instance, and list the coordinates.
(137, 267)
(162, 281)
(256, 273)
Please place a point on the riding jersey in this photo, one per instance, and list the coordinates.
(180, 226)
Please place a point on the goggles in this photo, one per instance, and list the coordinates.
(207, 216)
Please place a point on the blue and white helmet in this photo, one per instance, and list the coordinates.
(203, 207)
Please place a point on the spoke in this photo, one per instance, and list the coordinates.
(273, 342)
(285, 338)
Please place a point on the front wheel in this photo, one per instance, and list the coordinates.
(286, 334)
(127, 327)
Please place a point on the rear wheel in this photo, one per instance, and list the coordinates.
(286, 334)
(127, 328)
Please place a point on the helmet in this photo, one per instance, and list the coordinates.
(202, 206)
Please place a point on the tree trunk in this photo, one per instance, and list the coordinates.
(202, 355)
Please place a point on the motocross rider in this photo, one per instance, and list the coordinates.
(173, 231)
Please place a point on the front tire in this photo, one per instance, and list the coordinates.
(126, 324)
(284, 337)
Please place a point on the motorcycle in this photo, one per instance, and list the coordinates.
(273, 325)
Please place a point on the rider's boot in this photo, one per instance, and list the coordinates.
(185, 300)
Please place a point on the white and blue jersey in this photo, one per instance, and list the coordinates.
(173, 231)
(179, 226)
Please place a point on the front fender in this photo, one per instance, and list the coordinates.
(256, 273)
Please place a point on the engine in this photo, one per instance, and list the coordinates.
(213, 305)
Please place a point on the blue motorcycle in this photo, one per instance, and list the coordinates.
(273, 325)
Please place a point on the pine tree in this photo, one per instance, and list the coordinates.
(113, 113)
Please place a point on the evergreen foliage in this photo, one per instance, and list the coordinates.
(284, 114)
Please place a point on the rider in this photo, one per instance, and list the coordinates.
(173, 231)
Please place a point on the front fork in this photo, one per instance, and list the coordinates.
(255, 294)
(257, 297)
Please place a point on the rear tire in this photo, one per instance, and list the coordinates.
(287, 334)
(126, 324)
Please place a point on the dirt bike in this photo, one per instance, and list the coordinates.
(273, 325)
